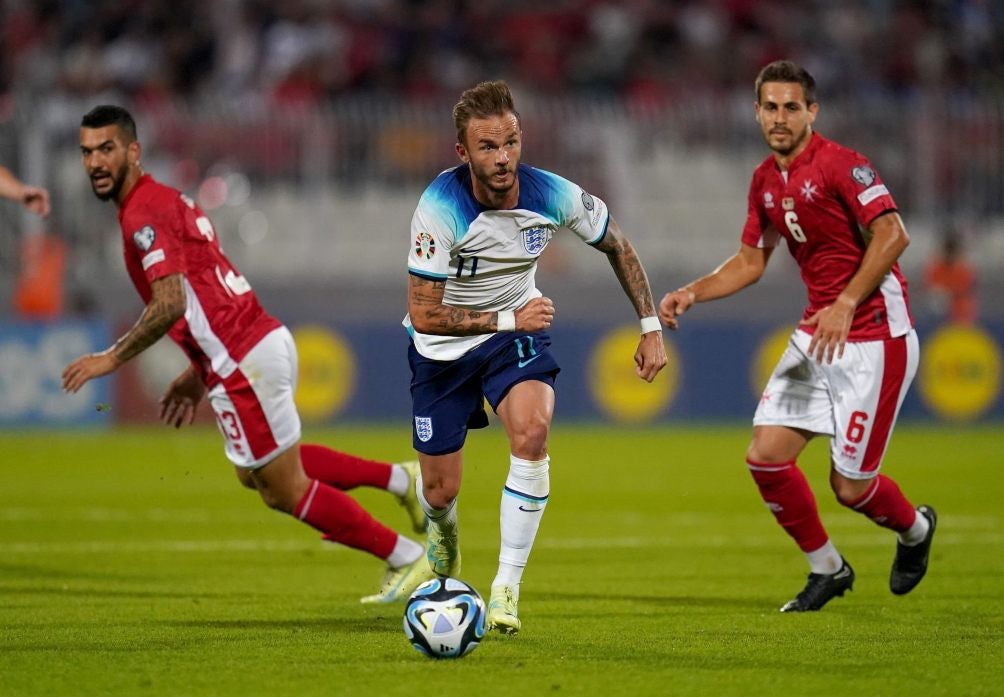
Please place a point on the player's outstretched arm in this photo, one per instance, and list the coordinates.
(166, 306)
(650, 357)
(674, 304)
(628, 269)
(34, 198)
(430, 316)
(742, 269)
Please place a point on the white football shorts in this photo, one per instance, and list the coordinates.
(856, 399)
(254, 405)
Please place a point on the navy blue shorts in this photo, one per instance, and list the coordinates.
(447, 397)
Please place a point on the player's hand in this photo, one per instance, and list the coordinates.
(673, 305)
(36, 200)
(93, 365)
(535, 315)
(832, 325)
(181, 399)
(650, 357)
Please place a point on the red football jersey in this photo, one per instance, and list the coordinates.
(164, 232)
(822, 206)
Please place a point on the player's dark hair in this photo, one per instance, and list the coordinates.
(110, 115)
(787, 71)
(491, 98)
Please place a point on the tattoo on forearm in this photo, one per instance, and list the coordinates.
(427, 298)
(631, 275)
(158, 317)
(454, 321)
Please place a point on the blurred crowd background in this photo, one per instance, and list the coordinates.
(306, 52)
(308, 128)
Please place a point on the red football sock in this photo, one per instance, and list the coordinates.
(885, 504)
(343, 520)
(341, 470)
(787, 494)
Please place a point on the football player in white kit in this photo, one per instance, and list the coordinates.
(479, 326)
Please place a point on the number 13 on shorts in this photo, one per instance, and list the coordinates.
(230, 426)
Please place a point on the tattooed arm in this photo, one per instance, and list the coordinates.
(430, 316)
(650, 357)
(166, 306)
(628, 268)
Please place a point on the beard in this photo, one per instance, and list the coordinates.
(796, 140)
(487, 178)
(118, 178)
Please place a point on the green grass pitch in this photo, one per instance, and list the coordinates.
(132, 563)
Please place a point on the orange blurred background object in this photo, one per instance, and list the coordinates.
(38, 293)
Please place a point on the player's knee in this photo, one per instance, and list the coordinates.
(246, 479)
(849, 491)
(275, 501)
(281, 494)
(762, 454)
(530, 442)
(844, 497)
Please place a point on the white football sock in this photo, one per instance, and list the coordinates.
(398, 483)
(825, 560)
(523, 500)
(917, 532)
(405, 552)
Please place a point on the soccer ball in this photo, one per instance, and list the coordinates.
(444, 618)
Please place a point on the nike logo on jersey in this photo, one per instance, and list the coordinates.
(523, 363)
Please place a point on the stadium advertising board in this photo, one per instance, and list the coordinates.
(359, 372)
(32, 358)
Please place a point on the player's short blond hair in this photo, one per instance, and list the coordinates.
(491, 98)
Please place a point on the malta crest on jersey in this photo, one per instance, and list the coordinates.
(535, 238)
(144, 238)
(423, 428)
(425, 246)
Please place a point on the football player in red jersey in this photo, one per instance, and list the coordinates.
(241, 357)
(850, 361)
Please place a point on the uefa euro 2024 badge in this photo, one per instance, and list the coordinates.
(425, 246)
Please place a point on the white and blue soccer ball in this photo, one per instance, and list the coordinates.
(444, 618)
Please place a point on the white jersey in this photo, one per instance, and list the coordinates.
(488, 257)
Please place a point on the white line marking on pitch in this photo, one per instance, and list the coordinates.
(688, 541)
